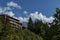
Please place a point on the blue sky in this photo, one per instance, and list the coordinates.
(46, 7)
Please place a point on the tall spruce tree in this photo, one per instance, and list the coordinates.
(30, 24)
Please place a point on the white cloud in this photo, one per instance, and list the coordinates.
(10, 13)
(46, 19)
(13, 4)
(15, 17)
(1, 10)
(42, 17)
(38, 16)
(6, 10)
(25, 12)
(34, 16)
(22, 20)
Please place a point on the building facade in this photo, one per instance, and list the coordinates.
(13, 22)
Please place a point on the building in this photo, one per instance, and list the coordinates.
(13, 22)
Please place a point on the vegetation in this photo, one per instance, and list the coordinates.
(46, 32)
(35, 31)
(9, 33)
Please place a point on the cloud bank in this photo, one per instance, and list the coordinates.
(36, 15)
(42, 17)
(39, 16)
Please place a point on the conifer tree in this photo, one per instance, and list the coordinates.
(30, 24)
(54, 30)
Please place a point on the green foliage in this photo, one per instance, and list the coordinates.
(54, 30)
(28, 35)
(39, 28)
(9, 33)
(46, 32)
(19, 34)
